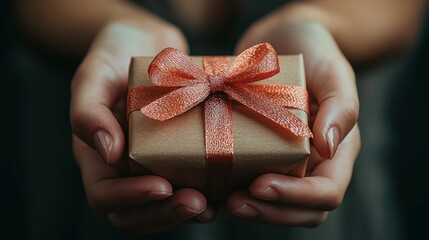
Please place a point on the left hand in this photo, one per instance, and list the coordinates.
(286, 200)
(293, 201)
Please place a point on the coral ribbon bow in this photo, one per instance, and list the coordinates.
(181, 84)
(171, 67)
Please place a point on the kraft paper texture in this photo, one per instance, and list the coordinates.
(174, 149)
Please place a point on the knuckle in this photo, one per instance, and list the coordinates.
(80, 74)
(317, 220)
(331, 196)
(74, 116)
(119, 224)
(96, 201)
(95, 204)
(349, 108)
(77, 120)
(75, 112)
(334, 202)
(334, 199)
(352, 108)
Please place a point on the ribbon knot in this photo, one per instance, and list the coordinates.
(181, 84)
(216, 83)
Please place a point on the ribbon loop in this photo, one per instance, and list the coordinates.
(172, 67)
(254, 64)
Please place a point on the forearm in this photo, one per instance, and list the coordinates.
(69, 26)
(365, 29)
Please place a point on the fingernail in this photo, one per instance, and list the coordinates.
(185, 212)
(268, 194)
(245, 211)
(333, 137)
(103, 142)
(157, 195)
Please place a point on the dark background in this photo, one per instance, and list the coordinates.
(40, 188)
(409, 158)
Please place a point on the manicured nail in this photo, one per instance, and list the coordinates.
(185, 212)
(333, 137)
(103, 142)
(245, 211)
(157, 195)
(268, 194)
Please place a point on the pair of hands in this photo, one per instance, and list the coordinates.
(147, 204)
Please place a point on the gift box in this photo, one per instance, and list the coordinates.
(176, 149)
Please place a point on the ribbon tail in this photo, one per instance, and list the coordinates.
(270, 110)
(219, 145)
(176, 102)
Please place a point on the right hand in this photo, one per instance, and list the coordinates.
(334, 105)
(135, 205)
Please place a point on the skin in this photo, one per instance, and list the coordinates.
(330, 34)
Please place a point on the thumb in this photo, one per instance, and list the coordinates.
(330, 80)
(96, 89)
(333, 87)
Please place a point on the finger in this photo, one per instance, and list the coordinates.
(332, 85)
(106, 192)
(182, 206)
(311, 192)
(96, 87)
(323, 190)
(243, 205)
(330, 81)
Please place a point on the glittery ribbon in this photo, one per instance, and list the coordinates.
(181, 84)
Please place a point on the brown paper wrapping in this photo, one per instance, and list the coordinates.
(174, 149)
